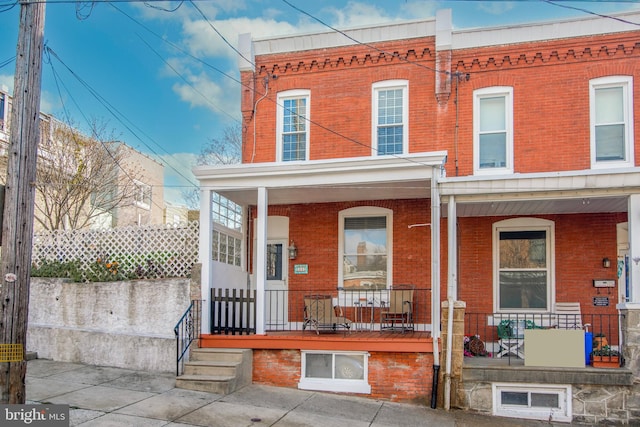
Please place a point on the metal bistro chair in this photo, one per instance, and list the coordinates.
(397, 313)
(511, 336)
(320, 313)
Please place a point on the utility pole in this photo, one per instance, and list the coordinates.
(17, 227)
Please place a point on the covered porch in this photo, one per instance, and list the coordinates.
(293, 204)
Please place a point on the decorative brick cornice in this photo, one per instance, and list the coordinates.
(279, 66)
(549, 56)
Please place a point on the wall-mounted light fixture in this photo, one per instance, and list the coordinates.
(293, 251)
(606, 262)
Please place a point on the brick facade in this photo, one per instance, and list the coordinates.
(547, 69)
(401, 377)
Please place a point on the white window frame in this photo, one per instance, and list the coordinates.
(492, 92)
(359, 212)
(226, 233)
(626, 83)
(141, 190)
(525, 224)
(333, 384)
(565, 397)
(282, 97)
(376, 88)
(4, 99)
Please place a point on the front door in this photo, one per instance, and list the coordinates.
(276, 298)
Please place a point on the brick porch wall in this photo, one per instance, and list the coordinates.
(399, 377)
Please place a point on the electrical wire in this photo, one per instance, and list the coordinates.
(117, 115)
(108, 150)
(393, 54)
(589, 12)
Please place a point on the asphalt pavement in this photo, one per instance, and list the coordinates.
(114, 397)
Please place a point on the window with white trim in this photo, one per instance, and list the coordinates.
(293, 117)
(226, 212)
(226, 247)
(365, 248)
(493, 130)
(533, 401)
(142, 195)
(390, 117)
(611, 105)
(3, 112)
(338, 372)
(523, 251)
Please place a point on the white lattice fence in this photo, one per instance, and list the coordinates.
(148, 251)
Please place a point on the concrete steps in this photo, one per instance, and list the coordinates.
(217, 370)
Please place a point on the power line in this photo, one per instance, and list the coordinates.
(117, 115)
(615, 18)
(395, 55)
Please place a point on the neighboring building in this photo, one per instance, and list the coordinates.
(144, 207)
(148, 204)
(175, 214)
(506, 158)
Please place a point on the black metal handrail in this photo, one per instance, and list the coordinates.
(186, 331)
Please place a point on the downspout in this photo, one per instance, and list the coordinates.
(255, 109)
(435, 281)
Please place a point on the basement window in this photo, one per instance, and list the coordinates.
(532, 401)
(335, 371)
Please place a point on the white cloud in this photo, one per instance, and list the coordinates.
(356, 14)
(495, 7)
(6, 82)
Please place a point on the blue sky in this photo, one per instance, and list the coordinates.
(163, 79)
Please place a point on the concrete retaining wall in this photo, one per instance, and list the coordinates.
(119, 324)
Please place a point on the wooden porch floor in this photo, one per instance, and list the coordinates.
(387, 341)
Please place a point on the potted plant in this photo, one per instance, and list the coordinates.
(599, 341)
(605, 357)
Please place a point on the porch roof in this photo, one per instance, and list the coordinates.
(586, 191)
(317, 181)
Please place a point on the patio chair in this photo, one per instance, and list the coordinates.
(568, 315)
(397, 313)
(320, 313)
(511, 336)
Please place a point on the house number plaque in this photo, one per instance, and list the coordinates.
(601, 301)
(301, 269)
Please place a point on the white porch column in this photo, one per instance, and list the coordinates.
(204, 254)
(452, 245)
(634, 251)
(435, 261)
(261, 257)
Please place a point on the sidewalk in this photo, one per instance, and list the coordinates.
(113, 397)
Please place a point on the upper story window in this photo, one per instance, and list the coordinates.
(3, 112)
(493, 130)
(523, 265)
(365, 248)
(611, 121)
(293, 125)
(390, 117)
(142, 195)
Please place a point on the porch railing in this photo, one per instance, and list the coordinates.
(501, 335)
(285, 309)
(186, 331)
(233, 311)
